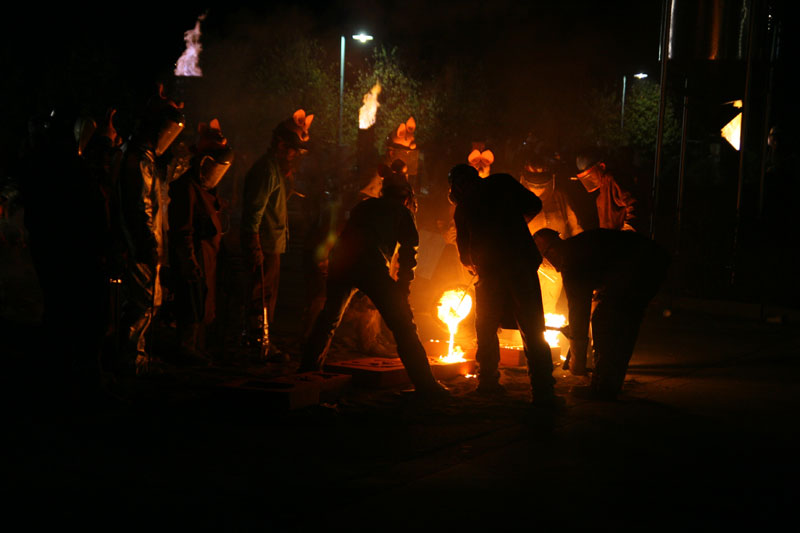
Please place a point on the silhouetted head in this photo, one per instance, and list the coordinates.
(550, 246)
(463, 180)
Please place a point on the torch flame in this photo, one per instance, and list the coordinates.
(454, 306)
(187, 63)
(368, 111)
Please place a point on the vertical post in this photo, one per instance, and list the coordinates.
(742, 133)
(341, 89)
(682, 166)
(622, 114)
(665, 27)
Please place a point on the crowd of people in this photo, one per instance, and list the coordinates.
(106, 243)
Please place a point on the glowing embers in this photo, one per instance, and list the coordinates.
(454, 306)
(369, 109)
(187, 63)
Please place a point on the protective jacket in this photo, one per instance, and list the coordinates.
(140, 203)
(264, 210)
(615, 206)
(556, 214)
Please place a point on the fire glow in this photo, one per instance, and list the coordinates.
(369, 109)
(554, 321)
(454, 306)
(187, 63)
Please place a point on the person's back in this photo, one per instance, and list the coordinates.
(492, 224)
(618, 262)
(370, 236)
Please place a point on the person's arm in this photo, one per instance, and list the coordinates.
(408, 239)
(254, 201)
(463, 238)
(625, 200)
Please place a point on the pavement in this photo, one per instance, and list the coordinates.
(704, 436)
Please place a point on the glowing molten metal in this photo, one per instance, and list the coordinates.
(368, 111)
(187, 63)
(554, 321)
(454, 306)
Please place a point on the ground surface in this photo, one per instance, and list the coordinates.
(705, 435)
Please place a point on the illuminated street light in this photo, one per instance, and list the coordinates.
(362, 38)
(638, 76)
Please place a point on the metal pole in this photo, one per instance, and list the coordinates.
(341, 89)
(742, 137)
(622, 114)
(682, 166)
(661, 110)
(767, 119)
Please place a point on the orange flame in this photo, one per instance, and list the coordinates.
(454, 306)
(368, 111)
(187, 63)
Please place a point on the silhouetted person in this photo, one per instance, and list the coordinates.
(539, 176)
(265, 227)
(360, 261)
(615, 205)
(625, 269)
(494, 242)
(195, 231)
(141, 214)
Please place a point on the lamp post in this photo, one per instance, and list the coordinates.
(362, 38)
(638, 76)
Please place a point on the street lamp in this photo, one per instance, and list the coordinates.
(638, 76)
(362, 38)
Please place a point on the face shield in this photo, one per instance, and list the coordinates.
(590, 178)
(169, 131)
(537, 179)
(213, 167)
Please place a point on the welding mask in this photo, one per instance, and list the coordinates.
(170, 126)
(213, 166)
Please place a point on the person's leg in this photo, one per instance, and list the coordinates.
(616, 326)
(527, 301)
(490, 296)
(338, 295)
(392, 303)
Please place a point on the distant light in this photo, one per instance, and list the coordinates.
(640, 75)
(363, 37)
(732, 132)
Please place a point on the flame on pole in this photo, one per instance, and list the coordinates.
(369, 109)
(187, 63)
(732, 131)
(454, 306)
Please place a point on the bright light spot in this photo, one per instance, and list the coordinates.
(362, 37)
(640, 75)
(732, 131)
